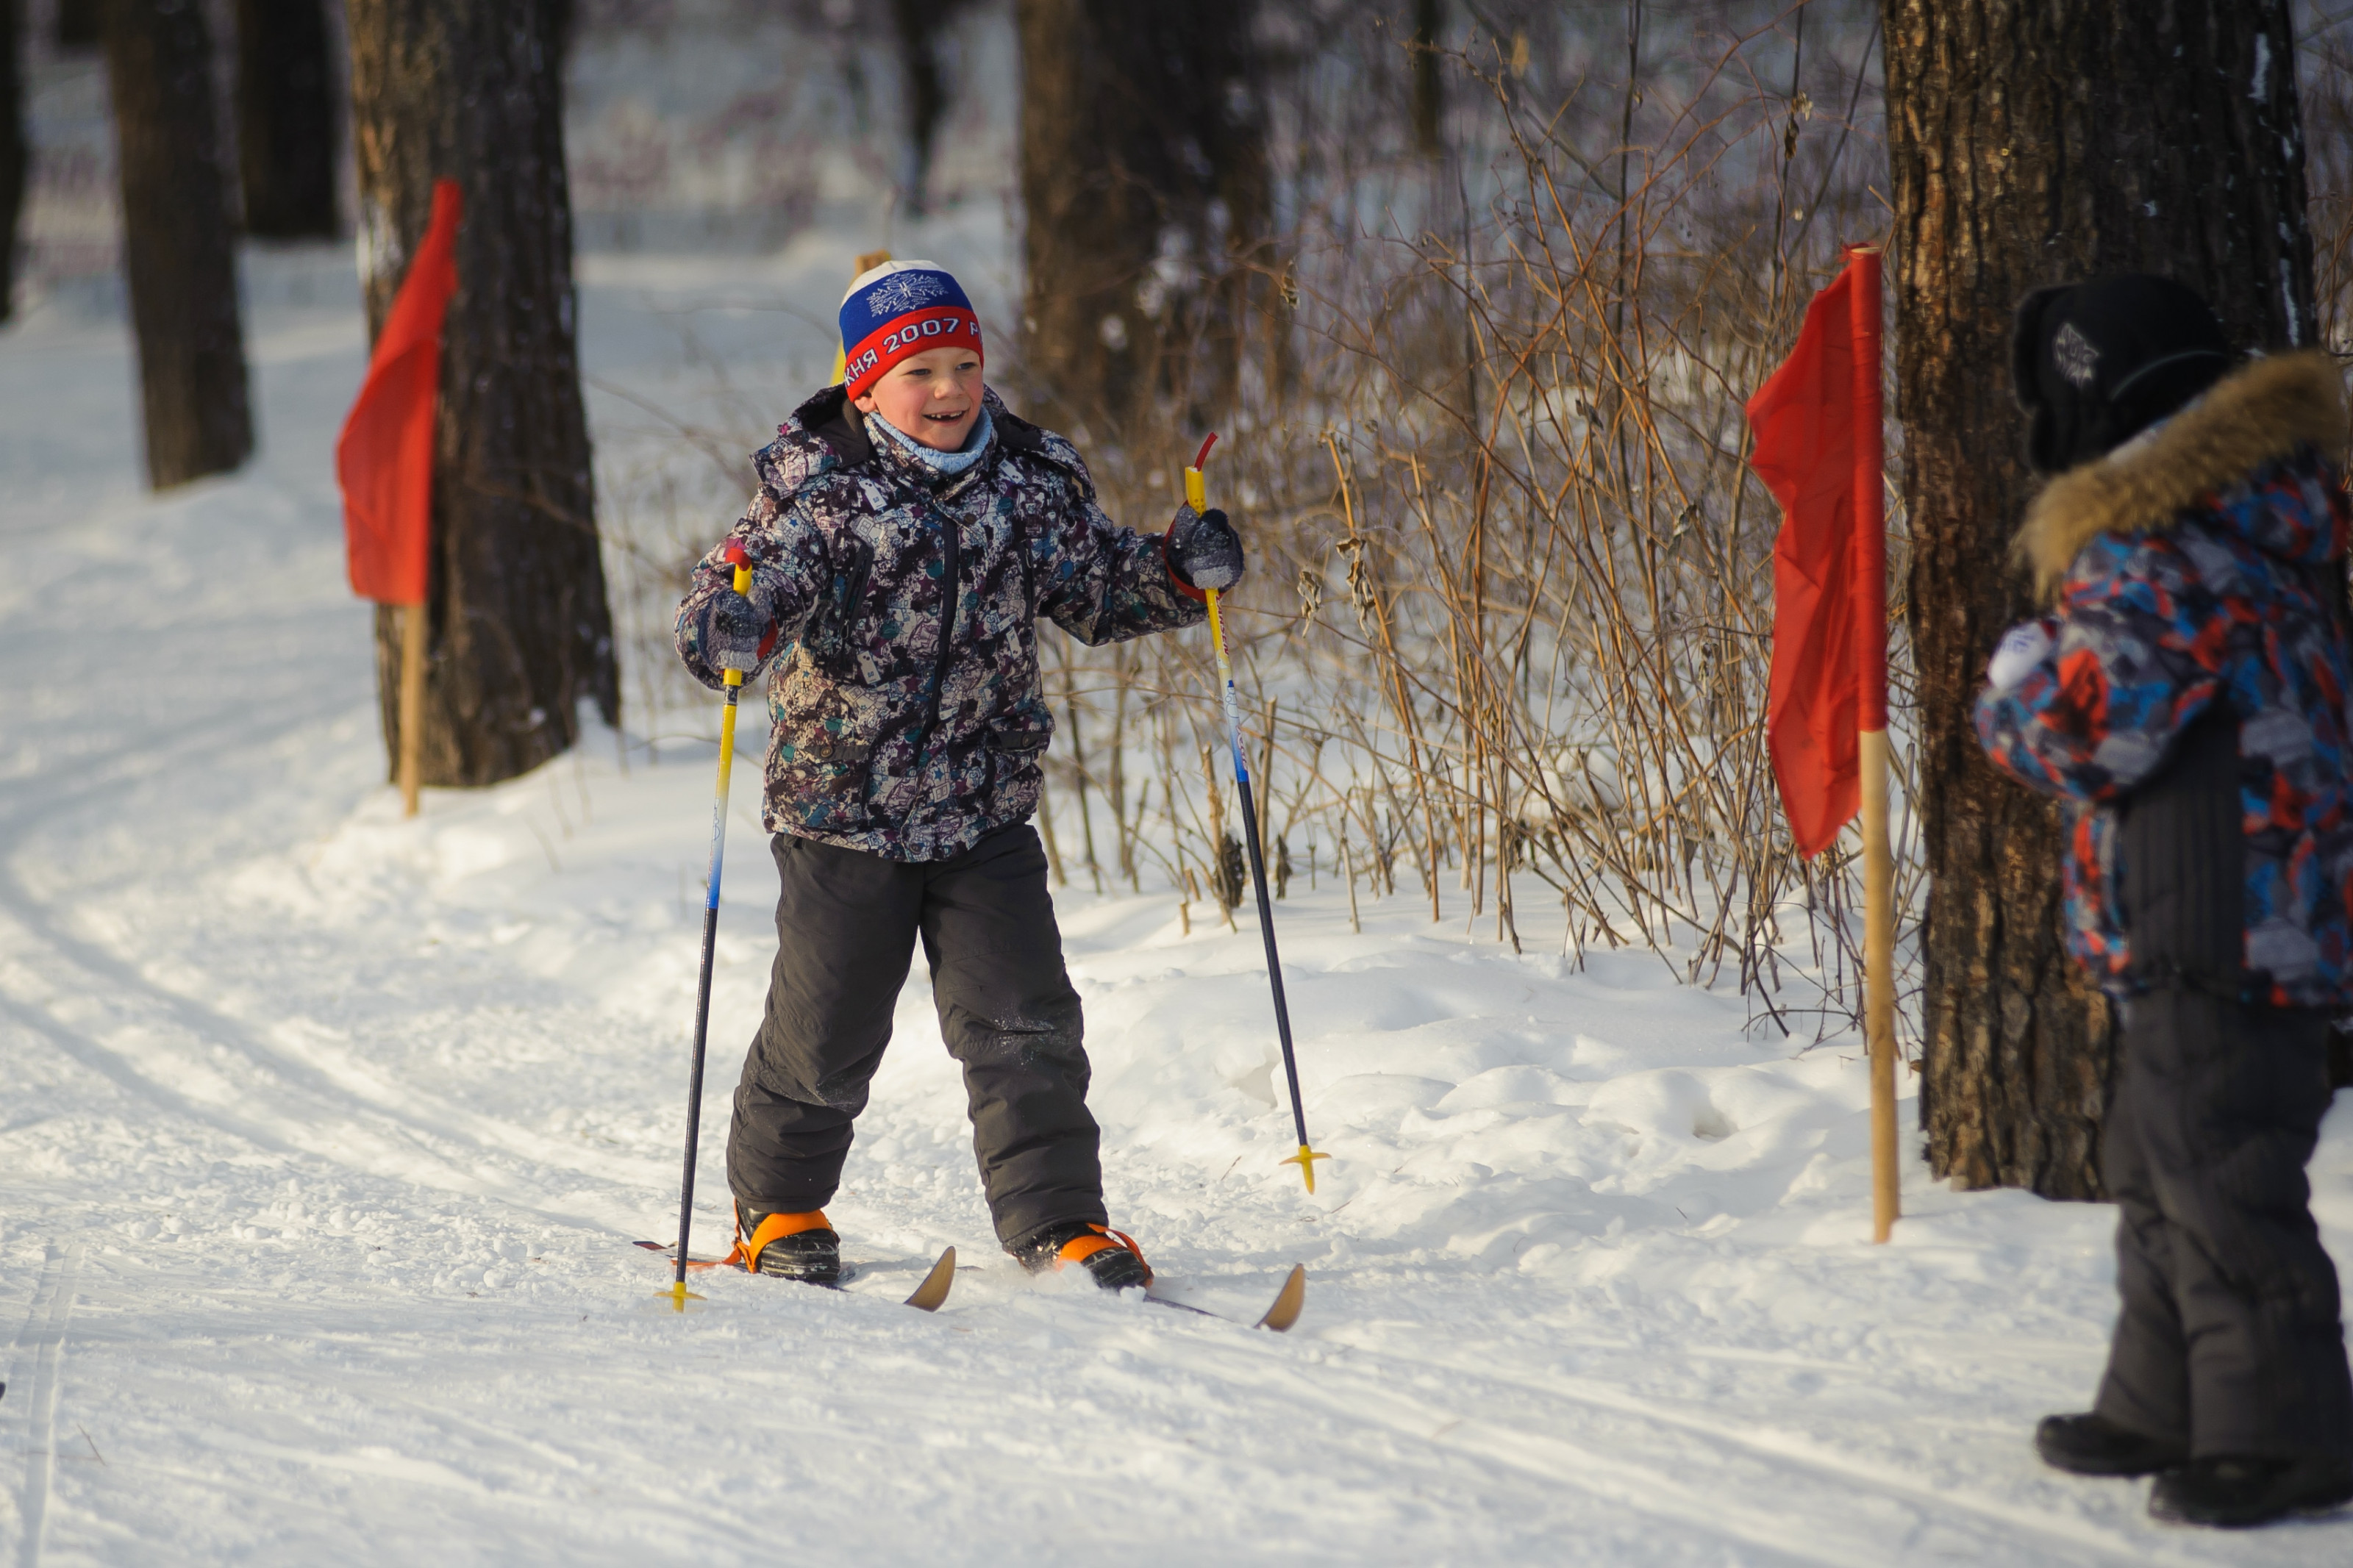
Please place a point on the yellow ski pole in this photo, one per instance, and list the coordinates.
(1197, 496)
(679, 1293)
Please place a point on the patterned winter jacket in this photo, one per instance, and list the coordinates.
(2195, 565)
(889, 737)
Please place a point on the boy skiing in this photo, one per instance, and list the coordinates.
(907, 533)
(2187, 695)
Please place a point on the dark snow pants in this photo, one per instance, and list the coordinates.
(845, 928)
(2228, 1335)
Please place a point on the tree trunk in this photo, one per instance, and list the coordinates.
(2035, 141)
(286, 121)
(12, 158)
(179, 244)
(472, 90)
(1428, 86)
(80, 24)
(915, 26)
(1139, 124)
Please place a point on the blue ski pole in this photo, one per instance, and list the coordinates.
(679, 1293)
(1197, 496)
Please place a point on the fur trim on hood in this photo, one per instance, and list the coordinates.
(2258, 414)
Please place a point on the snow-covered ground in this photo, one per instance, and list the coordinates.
(323, 1136)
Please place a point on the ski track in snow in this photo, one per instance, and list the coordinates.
(326, 1136)
(43, 1344)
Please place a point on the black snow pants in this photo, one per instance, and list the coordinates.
(845, 928)
(2229, 1335)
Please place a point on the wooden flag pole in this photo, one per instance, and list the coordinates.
(412, 704)
(1879, 983)
(1871, 645)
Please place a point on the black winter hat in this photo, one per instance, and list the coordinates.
(2097, 362)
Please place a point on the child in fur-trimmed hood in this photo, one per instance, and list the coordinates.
(2186, 694)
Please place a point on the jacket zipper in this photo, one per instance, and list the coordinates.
(950, 544)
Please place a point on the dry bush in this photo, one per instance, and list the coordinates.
(1506, 634)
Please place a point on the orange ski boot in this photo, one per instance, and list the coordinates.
(802, 1246)
(1111, 1258)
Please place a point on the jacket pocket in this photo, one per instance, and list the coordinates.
(822, 766)
(1014, 748)
(830, 635)
(841, 753)
(1024, 741)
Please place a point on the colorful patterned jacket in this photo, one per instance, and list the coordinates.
(2195, 565)
(889, 737)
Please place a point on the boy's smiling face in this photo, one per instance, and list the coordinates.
(933, 396)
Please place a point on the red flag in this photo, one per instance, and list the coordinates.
(1817, 451)
(385, 458)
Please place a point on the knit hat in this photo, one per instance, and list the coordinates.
(2097, 362)
(898, 309)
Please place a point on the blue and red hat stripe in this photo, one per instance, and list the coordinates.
(898, 310)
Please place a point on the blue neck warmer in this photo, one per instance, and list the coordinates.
(945, 463)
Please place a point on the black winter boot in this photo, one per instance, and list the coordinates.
(802, 1246)
(1111, 1258)
(2236, 1491)
(2092, 1445)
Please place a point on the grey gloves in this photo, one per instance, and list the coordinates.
(731, 629)
(731, 632)
(1204, 551)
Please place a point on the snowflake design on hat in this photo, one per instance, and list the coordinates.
(901, 292)
(2077, 360)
